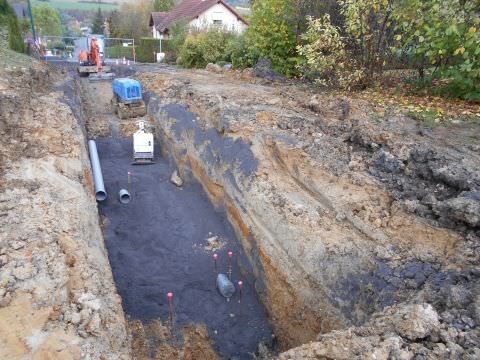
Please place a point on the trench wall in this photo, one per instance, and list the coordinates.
(226, 168)
(319, 265)
(57, 295)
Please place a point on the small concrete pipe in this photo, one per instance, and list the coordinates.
(100, 193)
(124, 196)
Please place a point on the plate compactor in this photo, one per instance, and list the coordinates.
(142, 146)
(127, 101)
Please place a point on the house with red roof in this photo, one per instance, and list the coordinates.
(200, 15)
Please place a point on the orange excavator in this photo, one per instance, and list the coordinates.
(91, 61)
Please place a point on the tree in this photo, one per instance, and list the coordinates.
(368, 23)
(325, 57)
(272, 34)
(6, 12)
(15, 39)
(131, 21)
(97, 26)
(25, 26)
(163, 5)
(47, 20)
(445, 35)
(113, 24)
(315, 9)
(8, 18)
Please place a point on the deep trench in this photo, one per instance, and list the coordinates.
(158, 243)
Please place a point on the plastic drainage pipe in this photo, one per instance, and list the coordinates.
(100, 193)
(124, 196)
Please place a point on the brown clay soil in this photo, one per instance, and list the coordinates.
(347, 211)
(57, 296)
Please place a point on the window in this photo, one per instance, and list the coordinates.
(217, 22)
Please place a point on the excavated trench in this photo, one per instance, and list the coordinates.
(319, 249)
(158, 243)
(164, 239)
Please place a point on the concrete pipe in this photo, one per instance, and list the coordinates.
(100, 193)
(124, 196)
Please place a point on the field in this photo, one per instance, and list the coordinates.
(74, 5)
(105, 5)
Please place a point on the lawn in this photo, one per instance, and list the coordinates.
(75, 5)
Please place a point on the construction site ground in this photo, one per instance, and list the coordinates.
(357, 231)
(164, 240)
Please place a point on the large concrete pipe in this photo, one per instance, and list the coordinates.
(100, 193)
(124, 196)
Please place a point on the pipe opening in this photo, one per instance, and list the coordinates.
(101, 195)
(124, 196)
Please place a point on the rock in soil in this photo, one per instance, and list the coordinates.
(176, 179)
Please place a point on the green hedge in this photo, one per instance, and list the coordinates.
(144, 50)
(120, 52)
(205, 47)
(148, 46)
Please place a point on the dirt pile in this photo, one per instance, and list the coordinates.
(57, 296)
(413, 331)
(338, 210)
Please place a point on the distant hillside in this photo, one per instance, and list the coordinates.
(105, 5)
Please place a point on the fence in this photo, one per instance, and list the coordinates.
(69, 48)
(63, 48)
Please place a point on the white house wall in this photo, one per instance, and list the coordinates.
(218, 12)
(157, 35)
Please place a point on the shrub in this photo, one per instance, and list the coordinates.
(325, 59)
(272, 35)
(15, 39)
(6, 12)
(238, 52)
(202, 48)
(445, 35)
(120, 52)
(369, 30)
(179, 33)
(146, 49)
(9, 20)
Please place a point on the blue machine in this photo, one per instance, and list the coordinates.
(127, 98)
(127, 90)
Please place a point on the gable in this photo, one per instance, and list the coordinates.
(189, 10)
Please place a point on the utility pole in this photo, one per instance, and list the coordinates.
(32, 22)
